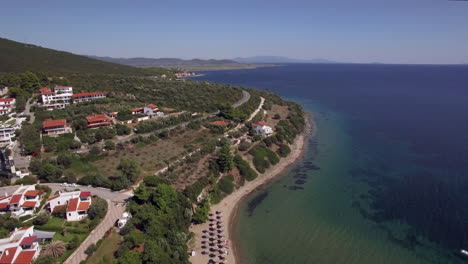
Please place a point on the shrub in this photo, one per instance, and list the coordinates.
(244, 168)
(226, 184)
(41, 219)
(283, 150)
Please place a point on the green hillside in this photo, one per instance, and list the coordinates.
(21, 57)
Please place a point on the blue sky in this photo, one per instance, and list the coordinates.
(411, 31)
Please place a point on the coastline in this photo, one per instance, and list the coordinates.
(229, 206)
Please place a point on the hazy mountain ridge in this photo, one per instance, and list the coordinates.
(278, 59)
(163, 62)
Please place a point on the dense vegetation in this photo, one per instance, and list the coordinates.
(160, 222)
(20, 57)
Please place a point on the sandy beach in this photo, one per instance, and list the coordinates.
(228, 206)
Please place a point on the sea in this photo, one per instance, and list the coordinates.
(385, 178)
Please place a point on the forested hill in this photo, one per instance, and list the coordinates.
(165, 62)
(21, 57)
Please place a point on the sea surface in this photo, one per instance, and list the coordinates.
(385, 180)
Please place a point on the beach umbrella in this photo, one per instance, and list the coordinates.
(203, 253)
(203, 242)
(204, 247)
(203, 236)
(218, 212)
(211, 224)
(211, 214)
(218, 217)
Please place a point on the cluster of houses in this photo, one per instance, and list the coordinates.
(21, 202)
(55, 127)
(22, 246)
(62, 96)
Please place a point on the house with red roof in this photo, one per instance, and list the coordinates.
(77, 204)
(22, 202)
(98, 120)
(86, 97)
(148, 110)
(7, 105)
(22, 247)
(262, 129)
(55, 127)
(219, 123)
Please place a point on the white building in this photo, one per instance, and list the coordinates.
(22, 202)
(55, 127)
(20, 247)
(58, 99)
(85, 97)
(77, 204)
(7, 105)
(262, 129)
(7, 130)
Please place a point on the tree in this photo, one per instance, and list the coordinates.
(131, 257)
(41, 219)
(141, 193)
(202, 212)
(97, 209)
(109, 144)
(276, 116)
(74, 243)
(225, 159)
(129, 169)
(122, 129)
(55, 249)
(45, 260)
(95, 150)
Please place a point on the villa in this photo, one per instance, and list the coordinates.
(98, 120)
(55, 127)
(148, 110)
(261, 129)
(6, 105)
(77, 204)
(86, 97)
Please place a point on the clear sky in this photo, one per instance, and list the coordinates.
(396, 31)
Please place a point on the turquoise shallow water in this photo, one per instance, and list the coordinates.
(392, 153)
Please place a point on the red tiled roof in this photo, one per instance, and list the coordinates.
(259, 123)
(33, 193)
(28, 240)
(85, 194)
(15, 198)
(219, 123)
(54, 123)
(8, 255)
(97, 118)
(54, 197)
(62, 87)
(25, 257)
(83, 206)
(113, 114)
(3, 205)
(29, 204)
(25, 228)
(78, 95)
(152, 106)
(5, 197)
(137, 109)
(45, 89)
(72, 205)
(6, 99)
(99, 124)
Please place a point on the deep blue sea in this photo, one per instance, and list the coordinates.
(392, 148)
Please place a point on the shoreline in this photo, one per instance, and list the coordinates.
(229, 206)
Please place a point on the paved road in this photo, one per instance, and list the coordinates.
(245, 98)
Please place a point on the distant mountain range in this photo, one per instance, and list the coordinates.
(164, 62)
(278, 59)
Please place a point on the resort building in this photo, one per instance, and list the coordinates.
(7, 105)
(55, 127)
(98, 120)
(148, 110)
(22, 202)
(57, 99)
(85, 97)
(21, 247)
(7, 130)
(261, 129)
(77, 204)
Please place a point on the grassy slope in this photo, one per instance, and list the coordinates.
(21, 57)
